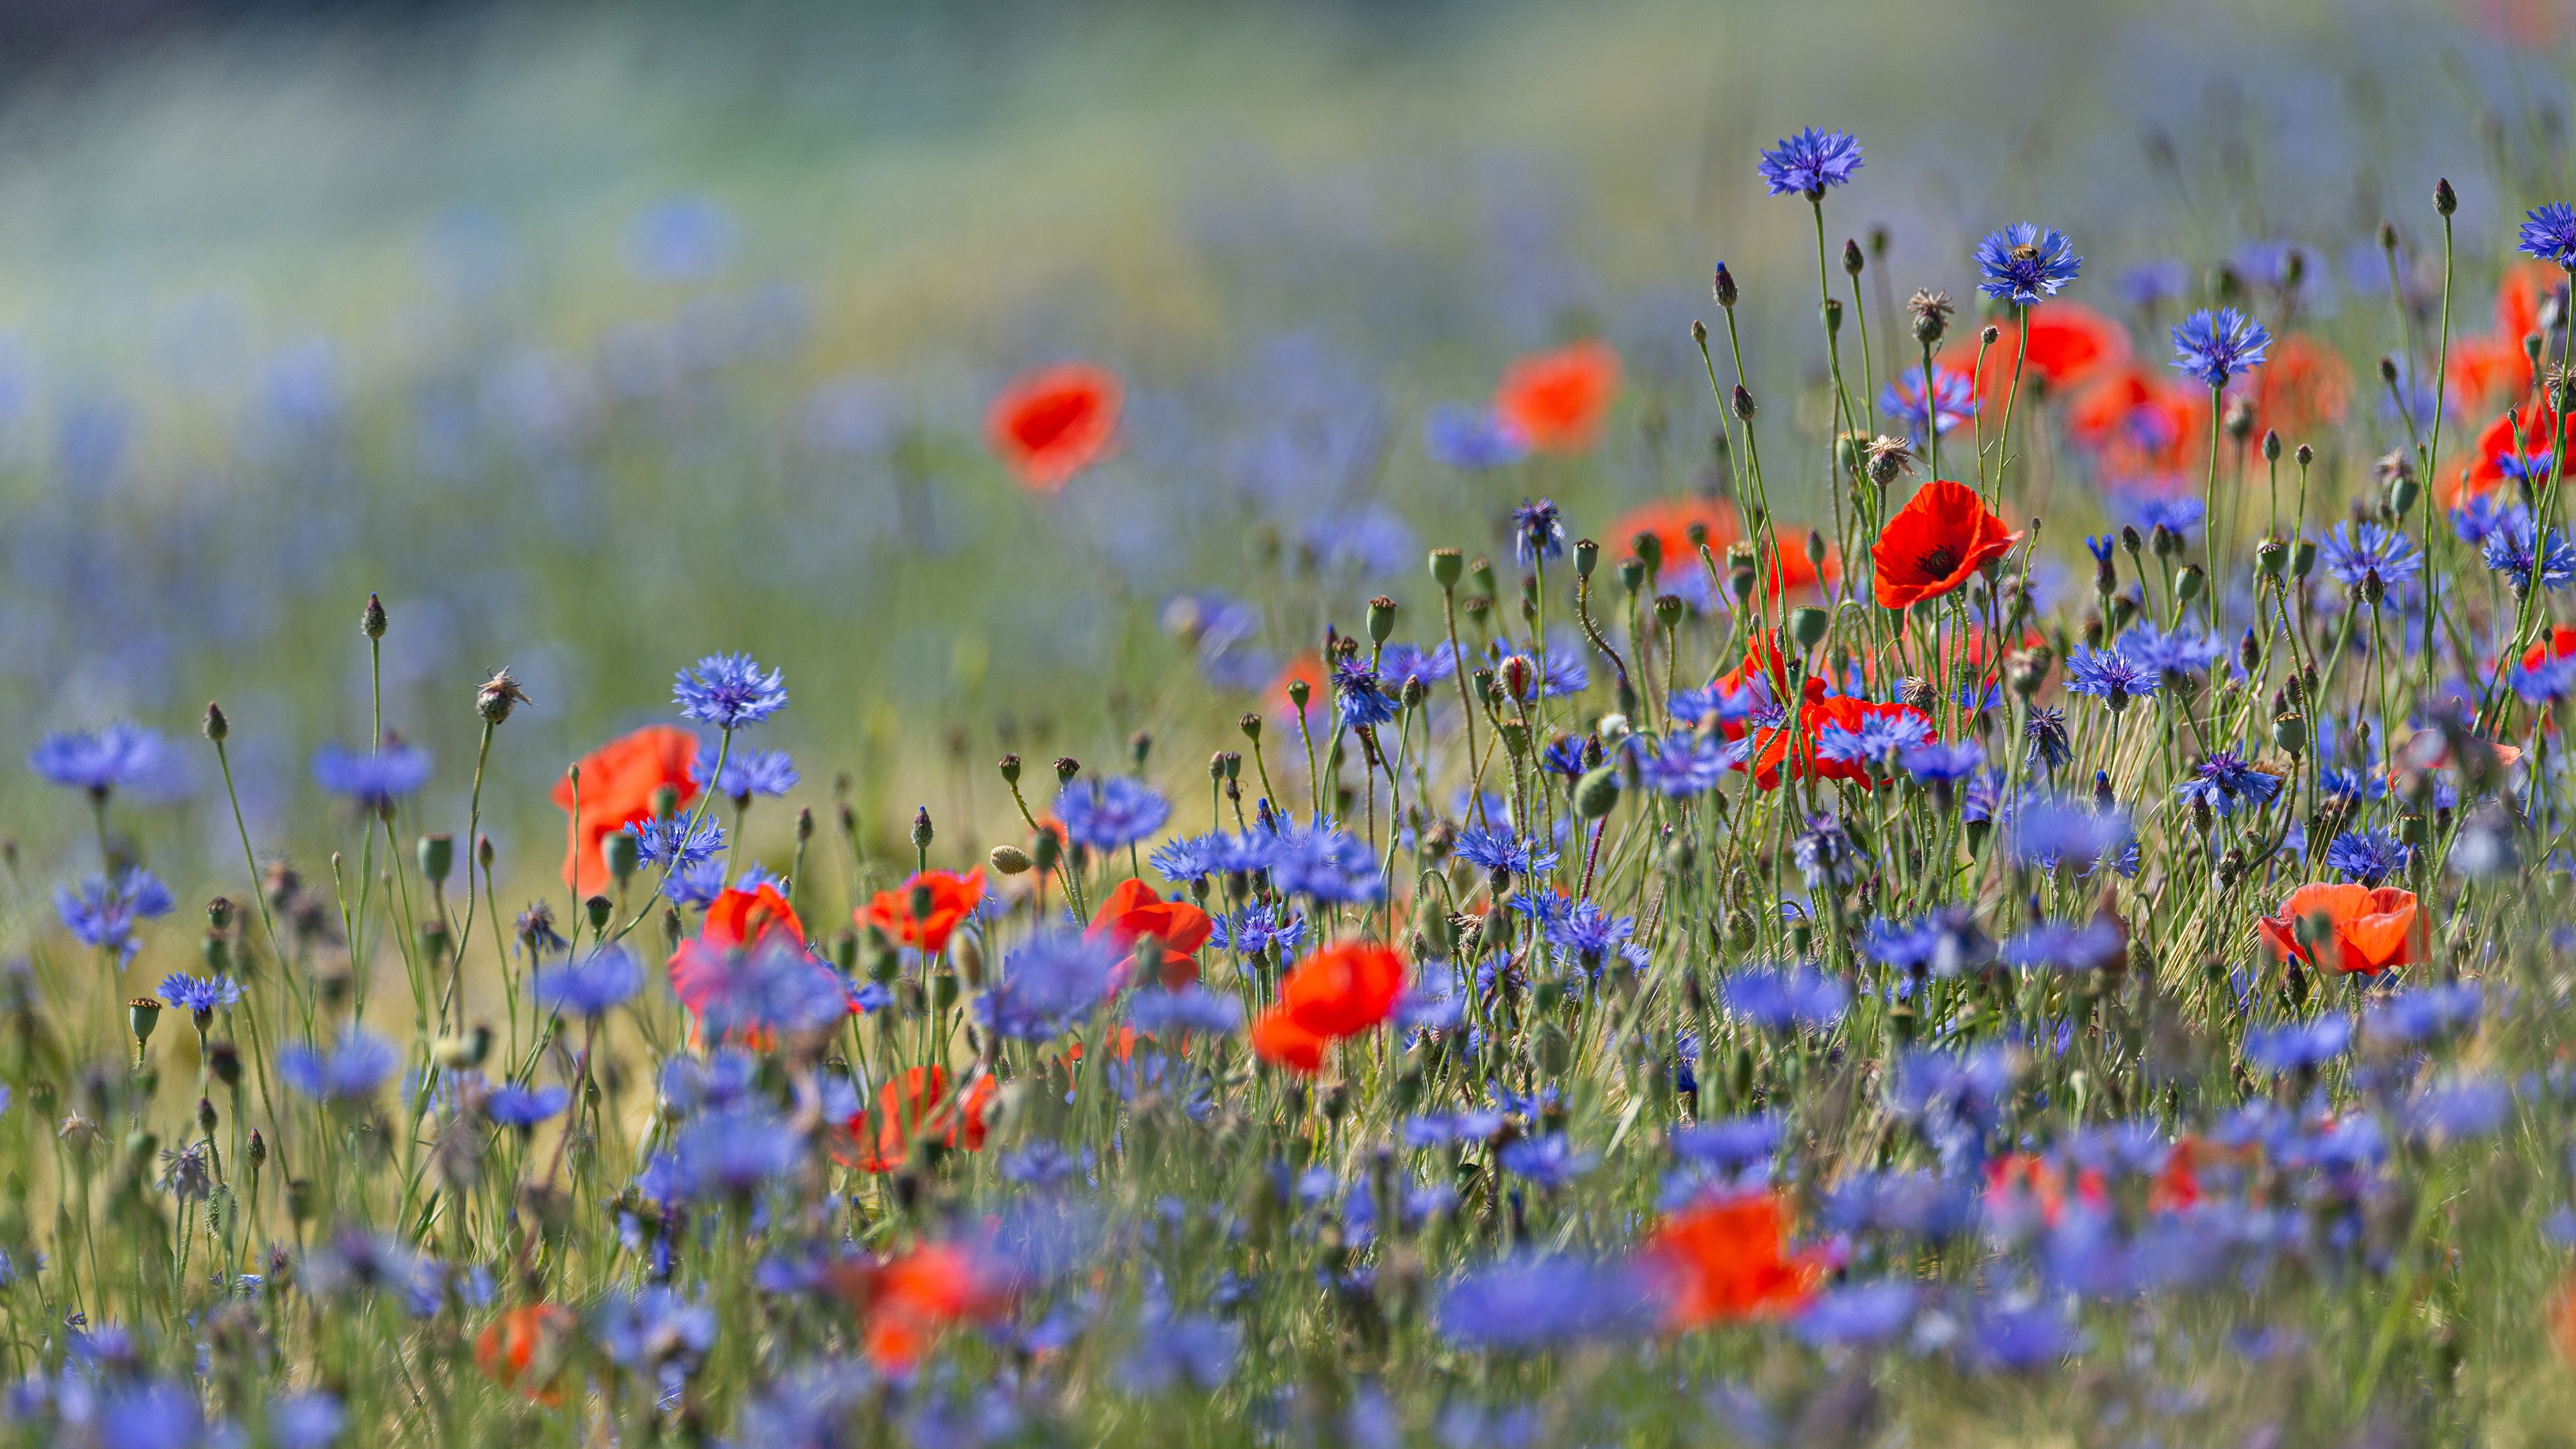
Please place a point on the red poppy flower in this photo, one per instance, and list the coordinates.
(524, 1349)
(1556, 400)
(953, 898)
(1307, 669)
(1670, 520)
(1343, 990)
(913, 1298)
(2070, 345)
(2562, 1319)
(618, 783)
(1792, 746)
(2484, 371)
(1935, 543)
(1053, 423)
(2177, 1187)
(2558, 643)
(741, 918)
(2515, 439)
(2303, 386)
(1727, 1261)
(2521, 292)
(2373, 929)
(915, 1104)
(2140, 424)
(1133, 912)
(1278, 1039)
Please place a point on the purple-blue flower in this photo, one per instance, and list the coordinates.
(2549, 234)
(354, 1069)
(728, 691)
(671, 842)
(1809, 163)
(198, 995)
(2355, 550)
(117, 753)
(2367, 857)
(2215, 344)
(2025, 262)
(2108, 675)
(1681, 764)
(1359, 699)
(1537, 534)
(2067, 946)
(589, 987)
(373, 779)
(748, 772)
(1780, 999)
(102, 912)
(516, 1106)
(1534, 1303)
(2299, 1045)
(1471, 439)
(1953, 400)
(1109, 814)
(1047, 986)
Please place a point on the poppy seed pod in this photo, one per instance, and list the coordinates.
(1447, 567)
(2303, 558)
(143, 1014)
(1597, 793)
(1009, 859)
(1587, 557)
(1632, 574)
(2188, 581)
(2403, 492)
(1669, 609)
(623, 853)
(598, 910)
(1066, 766)
(2271, 556)
(437, 857)
(1381, 619)
(1807, 626)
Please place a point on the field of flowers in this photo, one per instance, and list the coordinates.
(1951, 833)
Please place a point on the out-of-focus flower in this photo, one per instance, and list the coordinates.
(1050, 424)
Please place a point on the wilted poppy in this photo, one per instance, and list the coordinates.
(2373, 929)
(1052, 423)
(524, 1349)
(915, 1103)
(1133, 912)
(1935, 543)
(1728, 1261)
(619, 781)
(953, 898)
(1555, 401)
(1343, 990)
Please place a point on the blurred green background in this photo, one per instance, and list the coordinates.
(597, 337)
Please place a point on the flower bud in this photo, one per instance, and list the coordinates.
(1597, 793)
(2188, 581)
(1447, 567)
(2271, 446)
(2445, 200)
(497, 696)
(922, 834)
(371, 620)
(1833, 310)
(2403, 492)
(1722, 286)
(1250, 724)
(1381, 619)
(1009, 859)
(216, 726)
(2303, 558)
(1851, 257)
(437, 857)
(1743, 403)
(1807, 626)
(623, 853)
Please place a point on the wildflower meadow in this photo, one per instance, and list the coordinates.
(1892, 842)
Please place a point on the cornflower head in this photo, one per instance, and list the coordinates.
(2482, 516)
(97, 760)
(1256, 927)
(2549, 234)
(673, 843)
(1785, 998)
(2299, 1046)
(1824, 854)
(1590, 934)
(374, 780)
(103, 912)
(1110, 814)
(1682, 763)
(1527, 1304)
(747, 773)
(1537, 535)
(2223, 779)
(2045, 734)
(198, 995)
(775, 985)
(1328, 865)
(2049, 833)
(1564, 756)
(1549, 1162)
(2367, 857)
(591, 986)
(353, 1070)
(2354, 551)
(1942, 764)
(2025, 262)
(1471, 439)
(2218, 343)
(1206, 1013)
(1047, 986)
(1404, 664)
(1945, 942)
(2067, 946)
(2548, 681)
(524, 1107)
(2424, 1013)
(2108, 675)
(1810, 163)
(2509, 550)
(2177, 655)
(1880, 739)
(1501, 851)
(2150, 285)
(1358, 697)
(1950, 400)
(728, 691)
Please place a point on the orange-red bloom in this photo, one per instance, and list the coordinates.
(2070, 345)
(1053, 423)
(1935, 543)
(741, 918)
(2501, 446)
(1556, 400)
(953, 898)
(1133, 912)
(1791, 746)
(1344, 990)
(1728, 1261)
(2373, 929)
(1306, 669)
(913, 1298)
(2303, 385)
(1278, 1039)
(524, 1349)
(2140, 424)
(913, 1104)
(618, 783)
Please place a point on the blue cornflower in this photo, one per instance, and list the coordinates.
(2181, 653)
(2299, 1046)
(2050, 746)
(514, 1106)
(2534, 470)
(2066, 946)
(1940, 763)
(1328, 865)
(1047, 986)
(2151, 511)
(1918, 1204)
(1108, 814)
(656, 1330)
(2020, 1338)
(306, 1421)
(1945, 942)
(354, 1070)
(1588, 933)
(1173, 1351)
(2481, 516)
(1564, 756)
(1549, 1161)
(1403, 664)
(1952, 399)
(2549, 234)
(1682, 764)
(197, 995)
(776, 985)
(2367, 856)
(1358, 697)
(2048, 833)
(2108, 675)
(2551, 680)
(728, 691)
(1824, 854)
(2426, 1012)
(2355, 550)
(1209, 1013)
(1732, 1142)
(374, 780)
(2150, 285)
(103, 911)
(2223, 778)
(734, 1154)
(1536, 532)
(673, 843)
(1544, 907)
(117, 753)
(2215, 344)
(2458, 1109)
(589, 987)
(1785, 998)
(748, 772)
(1471, 439)
(1254, 927)
(1500, 849)
(1880, 738)
(2508, 551)
(1533, 1303)
(1809, 163)
(1860, 1314)
(2025, 262)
